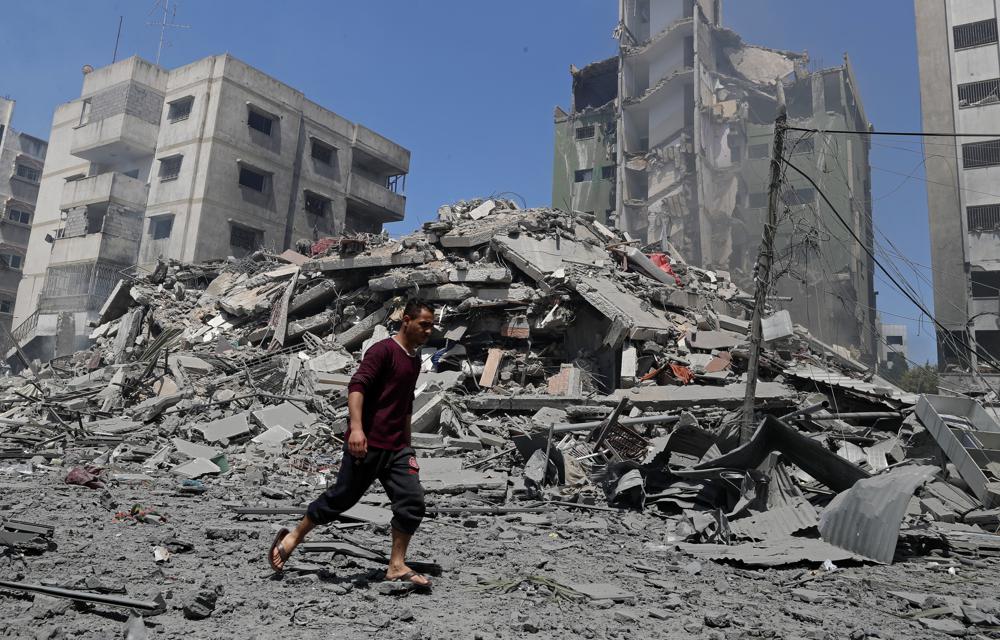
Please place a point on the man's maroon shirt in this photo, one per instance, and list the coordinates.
(387, 377)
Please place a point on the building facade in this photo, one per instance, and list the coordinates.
(21, 160)
(671, 141)
(894, 346)
(959, 57)
(209, 160)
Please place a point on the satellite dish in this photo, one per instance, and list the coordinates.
(86, 69)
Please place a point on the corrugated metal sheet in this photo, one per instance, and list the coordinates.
(771, 553)
(865, 519)
(837, 379)
(779, 522)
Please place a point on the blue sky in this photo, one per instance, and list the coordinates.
(469, 87)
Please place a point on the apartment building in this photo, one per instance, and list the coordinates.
(209, 160)
(959, 57)
(21, 160)
(671, 141)
(894, 346)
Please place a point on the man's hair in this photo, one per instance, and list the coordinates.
(414, 306)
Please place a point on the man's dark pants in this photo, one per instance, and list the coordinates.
(398, 472)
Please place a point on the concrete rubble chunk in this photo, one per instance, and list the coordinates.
(229, 428)
(285, 415)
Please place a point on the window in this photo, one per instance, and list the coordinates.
(894, 340)
(322, 152)
(976, 94)
(252, 179)
(170, 168)
(583, 175)
(6, 306)
(608, 172)
(975, 34)
(800, 196)
(981, 154)
(316, 204)
(243, 237)
(160, 227)
(758, 151)
(758, 200)
(984, 217)
(17, 215)
(29, 173)
(180, 109)
(985, 284)
(583, 133)
(12, 260)
(259, 121)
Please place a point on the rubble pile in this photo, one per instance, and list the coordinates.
(574, 377)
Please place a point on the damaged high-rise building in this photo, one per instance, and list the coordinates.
(21, 159)
(670, 141)
(201, 162)
(957, 47)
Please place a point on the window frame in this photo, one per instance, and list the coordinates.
(252, 171)
(155, 226)
(583, 175)
(609, 175)
(970, 26)
(236, 229)
(324, 202)
(263, 116)
(985, 153)
(9, 303)
(165, 163)
(586, 132)
(185, 101)
(330, 150)
(12, 211)
(34, 173)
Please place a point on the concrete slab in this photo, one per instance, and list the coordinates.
(274, 436)
(191, 363)
(777, 326)
(712, 340)
(611, 301)
(329, 362)
(730, 395)
(539, 257)
(483, 210)
(225, 429)
(194, 450)
(196, 468)
(285, 415)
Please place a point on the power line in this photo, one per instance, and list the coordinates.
(985, 356)
(918, 134)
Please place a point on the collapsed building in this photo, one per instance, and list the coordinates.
(670, 141)
(21, 159)
(579, 401)
(211, 159)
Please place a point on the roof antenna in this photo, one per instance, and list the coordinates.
(114, 56)
(165, 23)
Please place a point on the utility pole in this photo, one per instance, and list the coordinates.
(764, 260)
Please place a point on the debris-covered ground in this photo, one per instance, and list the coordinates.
(578, 427)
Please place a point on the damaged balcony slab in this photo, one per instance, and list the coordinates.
(662, 398)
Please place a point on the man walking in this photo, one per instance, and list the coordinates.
(380, 403)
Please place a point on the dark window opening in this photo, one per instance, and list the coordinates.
(23, 217)
(583, 133)
(29, 173)
(243, 238)
(322, 152)
(396, 183)
(975, 94)
(160, 228)
(981, 154)
(6, 306)
(11, 260)
(688, 52)
(975, 34)
(317, 205)
(985, 284)
(252, 179)
(608, 172)
(894, 340)
(984, 217)
(170, 168)
(800, 196)
(833, 97)
(583, 175)
(258, 121)
(180, 109)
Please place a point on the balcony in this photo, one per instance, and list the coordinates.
(115, 139)
(985, 313)
(107, 187)
(374, 199)
(378, 150)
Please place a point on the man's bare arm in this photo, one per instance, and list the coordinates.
(357, 443)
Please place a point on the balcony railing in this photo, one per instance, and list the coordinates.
(106, 187)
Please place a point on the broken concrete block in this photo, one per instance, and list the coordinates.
(193, 450)
(330, 362)
(196, 468)
(568, 382)
(285, 415)
(226, 429)
(483, 210)
(273, 436)
(379, 333)
(493, 359)
(426, 440)
(465, 443)
(426, 417)
(362, 330)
